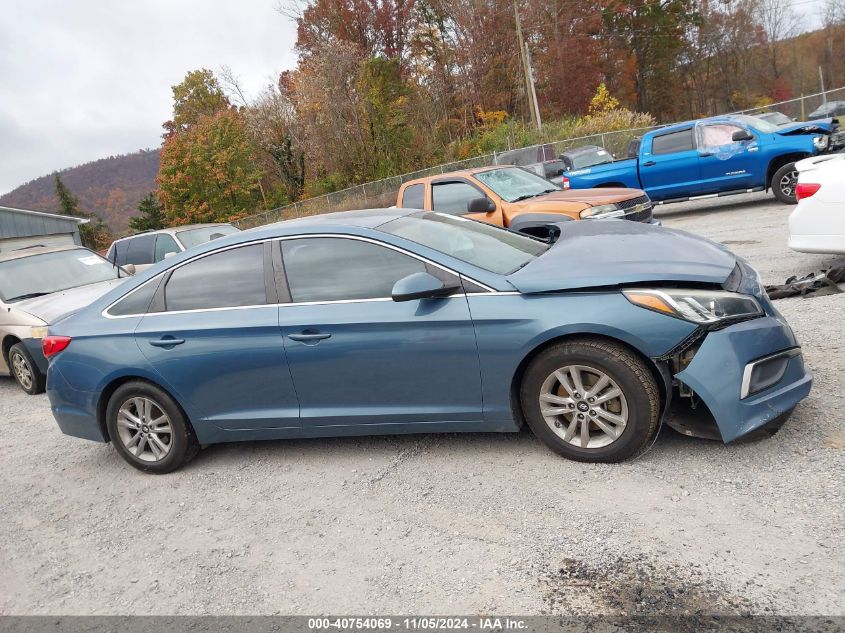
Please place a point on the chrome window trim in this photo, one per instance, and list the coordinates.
(749, 368)
(105, 312)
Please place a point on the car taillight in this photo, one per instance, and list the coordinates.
(806, 189)
(565, 182)
(52, 345)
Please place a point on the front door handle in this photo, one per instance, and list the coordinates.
(167, 341)
(649, 163)
(309, 337)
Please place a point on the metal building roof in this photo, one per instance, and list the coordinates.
(24, 223)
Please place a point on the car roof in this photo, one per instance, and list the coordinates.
(29, 251)
(173, 229)
(582, 150)
(362, 219)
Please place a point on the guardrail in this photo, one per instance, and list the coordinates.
(382, 193)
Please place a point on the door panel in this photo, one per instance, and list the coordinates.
(725, 165)
(670, 169)
(384, 361)
(231, 368)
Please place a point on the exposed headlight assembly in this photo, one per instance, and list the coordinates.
(705, 307)
(821, 142)
(602, 211)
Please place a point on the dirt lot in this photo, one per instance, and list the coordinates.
(447, 523)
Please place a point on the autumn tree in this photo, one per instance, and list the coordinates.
(209, 172)
(198, 95)
(151, 215)
(94, 233)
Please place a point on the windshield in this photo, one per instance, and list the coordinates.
(757, 124)
(477, 243)
(46, 273)
(195, 237)
(588, 159)
(513, 184)
(775, 118)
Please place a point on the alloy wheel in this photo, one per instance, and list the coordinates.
(145, 429)
(584, 406)
(22, 370)
(788, 182)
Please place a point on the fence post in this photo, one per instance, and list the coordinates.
(803, 118)
(603, 144)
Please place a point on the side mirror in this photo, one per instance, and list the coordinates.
(741, 135)
(169, 254)
(130, 268)
(420, 286)
(481, 205)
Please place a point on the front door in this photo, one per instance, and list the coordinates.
(217, 344)
(357, 357)
(725, 164)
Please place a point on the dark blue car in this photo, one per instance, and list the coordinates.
(400, 321)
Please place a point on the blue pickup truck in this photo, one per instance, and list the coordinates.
(715, 157)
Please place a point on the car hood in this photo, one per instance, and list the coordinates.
(600, 253)
(822, 126)
(58, 305)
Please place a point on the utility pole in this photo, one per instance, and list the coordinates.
(526, 67)
(821, 80)
(537, 118)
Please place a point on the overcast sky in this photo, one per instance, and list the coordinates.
(85, 79)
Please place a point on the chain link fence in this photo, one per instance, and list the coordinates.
(382, 193)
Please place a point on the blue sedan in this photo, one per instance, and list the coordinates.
(401, 321)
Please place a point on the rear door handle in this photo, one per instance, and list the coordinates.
(309, 337)
(649, 163)
(167, 341)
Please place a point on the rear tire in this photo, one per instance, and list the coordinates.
(148, 428)
(591, 400)
(784, 182)
(25, 371)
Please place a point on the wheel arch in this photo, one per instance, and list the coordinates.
(109, 390)
(8, 341)
(608, 185)
(660, 373)
(779, 161)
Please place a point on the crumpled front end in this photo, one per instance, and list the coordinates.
(749, 375)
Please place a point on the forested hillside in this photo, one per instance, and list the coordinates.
(110, 187)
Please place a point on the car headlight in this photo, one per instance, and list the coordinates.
(39, 331)
(602, 211)
(820, 142)
(699, 306)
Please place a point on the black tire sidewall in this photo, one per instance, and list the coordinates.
(183, 438)
(776, 184)
(641, 410)
(38, 379)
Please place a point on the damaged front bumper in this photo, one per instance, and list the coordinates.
(750, 375)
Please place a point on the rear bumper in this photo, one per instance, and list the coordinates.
(33, 346)
(727, 356)
(75, 411)
(833, 244)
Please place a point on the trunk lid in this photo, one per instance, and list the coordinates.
(598, 253)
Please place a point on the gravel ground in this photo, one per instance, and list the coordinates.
(447, 523)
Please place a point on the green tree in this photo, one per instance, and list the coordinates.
(94, 233)
(210, 173)
(197, 96)
(151, 216)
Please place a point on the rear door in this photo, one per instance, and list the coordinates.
(215, 340)
(669, 165)
(359, 358)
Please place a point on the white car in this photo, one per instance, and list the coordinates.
(818, 223)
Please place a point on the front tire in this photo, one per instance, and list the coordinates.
(784, 182)
(591, 400)
(25, 371)
(148, 428)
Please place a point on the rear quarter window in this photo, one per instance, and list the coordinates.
(413, 197)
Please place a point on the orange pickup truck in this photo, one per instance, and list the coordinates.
(518, 199)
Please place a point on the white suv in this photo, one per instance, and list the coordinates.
(142, 250)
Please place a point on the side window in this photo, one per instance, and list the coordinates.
(165, 244)
(412, 198)
(716, 135)
(138, 250)
(672, 142)
(136, 302)
(221, 280)
(453, 197)
(333, 269)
